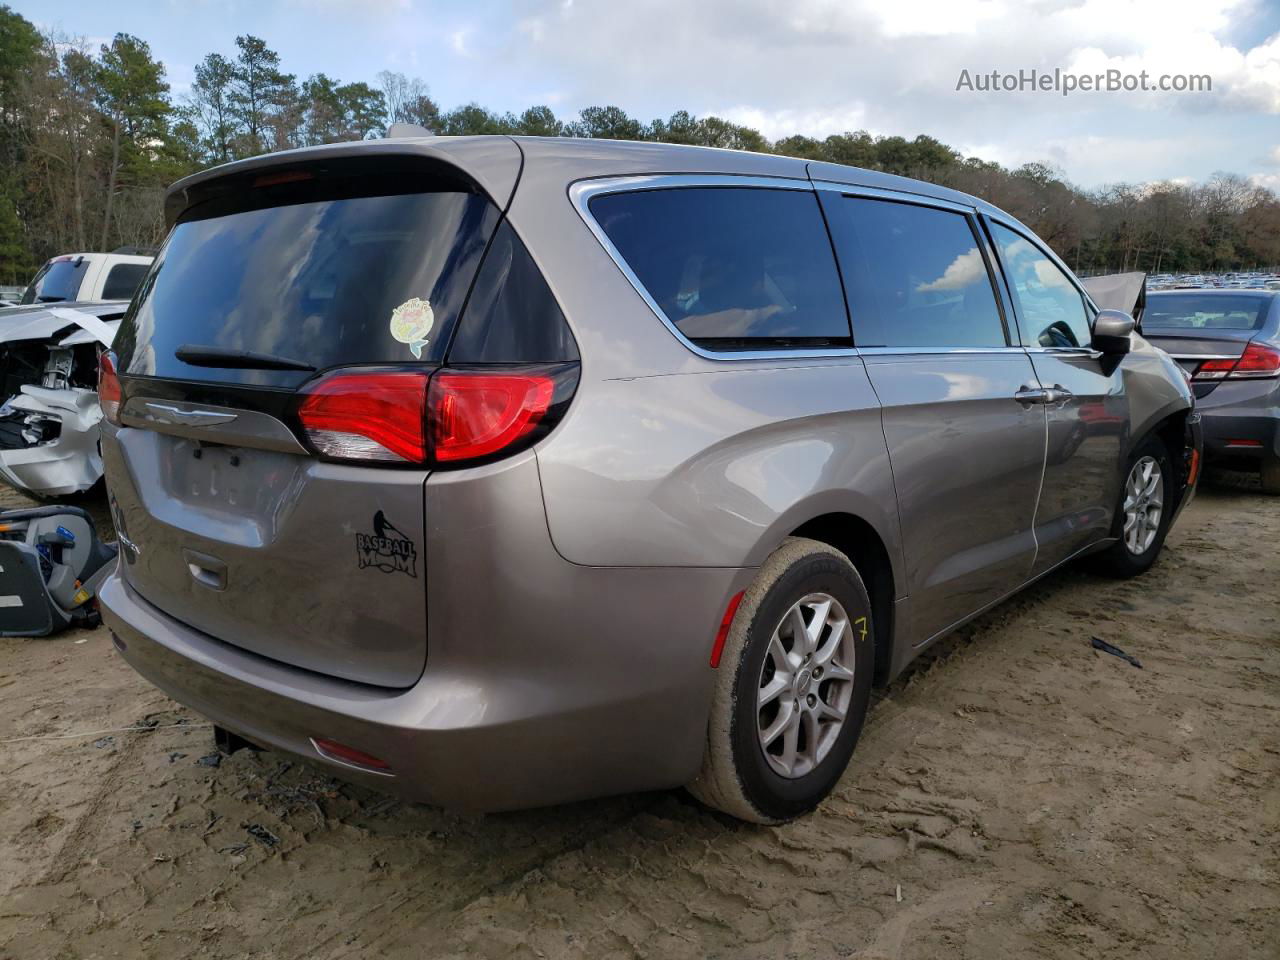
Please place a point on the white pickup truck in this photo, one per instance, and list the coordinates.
(85, 277)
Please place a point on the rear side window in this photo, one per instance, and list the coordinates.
(123, 280)
(326, 282)
(732, 267)
(512, 316)
(57, 280)
(916, 276)
(1051, 310)
(1200, 311)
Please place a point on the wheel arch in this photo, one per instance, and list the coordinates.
(1171, 430)
(861, 542)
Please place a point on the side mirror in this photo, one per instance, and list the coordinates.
(1111, 330)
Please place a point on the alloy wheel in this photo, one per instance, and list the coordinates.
(1143, 505)
(806, 685)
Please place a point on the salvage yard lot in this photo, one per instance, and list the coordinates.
(1023, 795)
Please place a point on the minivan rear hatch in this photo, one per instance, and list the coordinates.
(228, 520)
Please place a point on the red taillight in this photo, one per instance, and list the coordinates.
(478, 414)
(1256, 362)
(109, 394)
(350, 755)
(288, 176)
(368, 416)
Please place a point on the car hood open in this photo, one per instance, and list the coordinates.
(46, 320)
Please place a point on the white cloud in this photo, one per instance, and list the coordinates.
(934, 18)
(818, 67)
(961, 272)
(775, 124)
(1240, 79)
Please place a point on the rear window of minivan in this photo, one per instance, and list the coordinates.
(731, 267)
(372, 271)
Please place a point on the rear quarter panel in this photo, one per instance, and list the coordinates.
(715, 468)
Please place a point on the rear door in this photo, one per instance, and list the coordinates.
(230, 520)
(967, 452)
(1088, 419)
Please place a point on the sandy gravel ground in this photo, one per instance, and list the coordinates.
(1018, 795)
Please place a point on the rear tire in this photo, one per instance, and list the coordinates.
(1147, 485)
(792, 688)
(1270, 475)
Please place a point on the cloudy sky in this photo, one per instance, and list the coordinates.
(802, 66)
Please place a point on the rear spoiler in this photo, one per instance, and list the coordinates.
(492, 163)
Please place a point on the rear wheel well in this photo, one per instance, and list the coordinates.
(858, 540)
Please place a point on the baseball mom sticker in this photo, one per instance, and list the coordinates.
(411, 323)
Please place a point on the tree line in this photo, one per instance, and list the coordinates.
(90, 138)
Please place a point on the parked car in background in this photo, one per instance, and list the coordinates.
(1228, 341)
(89, 277)
(48, 381)
(504, 472)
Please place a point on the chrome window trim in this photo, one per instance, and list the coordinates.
(934, 351)
(581, 194)
(879, 193)
(1087, 352)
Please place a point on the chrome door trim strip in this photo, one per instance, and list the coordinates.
(902, 196)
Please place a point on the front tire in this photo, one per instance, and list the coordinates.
(1143, 513)
(792, 687)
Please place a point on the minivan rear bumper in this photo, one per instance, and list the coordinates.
(546, 681)
(448, 739)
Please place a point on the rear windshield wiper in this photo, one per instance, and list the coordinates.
(223, 357)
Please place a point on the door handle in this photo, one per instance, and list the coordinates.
(1055, 394)
(1032, 395)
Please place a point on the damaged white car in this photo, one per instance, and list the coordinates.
(48, 373)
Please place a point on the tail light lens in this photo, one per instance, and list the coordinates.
(109, 394)
(450, 417)
(1256, 362)
(476, 415)
(367, 416)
